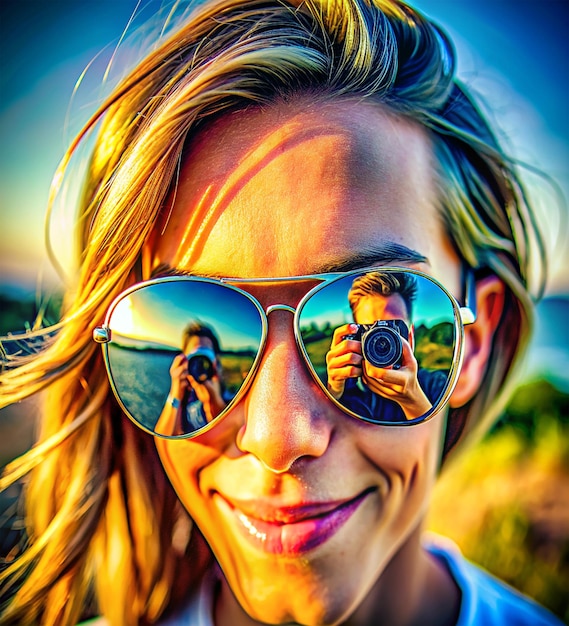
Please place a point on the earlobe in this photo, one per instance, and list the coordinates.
(478, 339)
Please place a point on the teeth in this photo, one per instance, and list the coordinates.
(252, 530)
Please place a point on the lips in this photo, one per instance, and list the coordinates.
(289, 530)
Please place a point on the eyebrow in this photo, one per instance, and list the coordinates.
(386, 253)
(381, 254)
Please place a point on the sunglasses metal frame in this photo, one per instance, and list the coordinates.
(462, 315)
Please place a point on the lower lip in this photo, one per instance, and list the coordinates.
(296, 538)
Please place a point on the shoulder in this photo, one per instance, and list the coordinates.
(487, 601)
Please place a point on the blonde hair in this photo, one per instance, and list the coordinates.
(383, 284)
(94, 527)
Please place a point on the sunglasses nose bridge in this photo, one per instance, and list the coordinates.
(279, 307)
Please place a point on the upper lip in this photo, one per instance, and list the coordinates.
(271, 512)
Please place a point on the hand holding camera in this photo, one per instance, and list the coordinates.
(203, 376)
(381, 355)
(344, 359)
(179, 377)
(381, 342)
(197, 371)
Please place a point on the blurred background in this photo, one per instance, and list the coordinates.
(505, 502)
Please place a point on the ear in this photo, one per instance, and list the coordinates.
(478, 339)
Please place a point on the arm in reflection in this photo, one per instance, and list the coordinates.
(171, 419)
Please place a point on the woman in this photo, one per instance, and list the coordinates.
(259, 159)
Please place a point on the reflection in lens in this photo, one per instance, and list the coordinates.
(381, 342)
(179, 352)
(406, 332)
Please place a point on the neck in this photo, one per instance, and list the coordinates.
(413, 590)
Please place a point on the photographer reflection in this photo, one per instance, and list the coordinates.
(371, 367)
(197, 394)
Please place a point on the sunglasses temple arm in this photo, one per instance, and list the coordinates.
(468, 311)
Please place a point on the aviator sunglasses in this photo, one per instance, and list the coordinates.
(204, 338)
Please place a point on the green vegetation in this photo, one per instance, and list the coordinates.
(506, 501)
(19, 314)
(235, 366)
(317, 348)
(434, 346)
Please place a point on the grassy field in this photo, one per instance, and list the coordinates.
(506, 501)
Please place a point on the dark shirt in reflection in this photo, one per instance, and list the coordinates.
(360, 399)
(194, 414)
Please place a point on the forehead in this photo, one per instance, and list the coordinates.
(288, 189)
(374, 306)
(196, 341)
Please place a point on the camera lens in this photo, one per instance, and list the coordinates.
(382, 347)
(200, 367)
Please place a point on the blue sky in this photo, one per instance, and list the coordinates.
(514, 52)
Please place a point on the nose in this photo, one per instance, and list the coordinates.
(285, 411)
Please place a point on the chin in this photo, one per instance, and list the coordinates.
(307, 614)
(308, 600)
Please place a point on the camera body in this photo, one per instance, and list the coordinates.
(201, 364)
(381, 342)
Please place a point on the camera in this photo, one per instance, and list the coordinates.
(381, 342)
(201, 364)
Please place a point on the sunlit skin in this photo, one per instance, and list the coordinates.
(344, 359)
(294, 189)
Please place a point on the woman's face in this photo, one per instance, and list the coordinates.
(303, 506)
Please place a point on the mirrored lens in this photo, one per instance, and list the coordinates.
(179, 352)
(382, 343)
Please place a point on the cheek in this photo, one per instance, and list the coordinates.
(185, 459)
(408, 456)
(183, 462)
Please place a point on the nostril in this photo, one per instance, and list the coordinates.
(239, 437)
(280, 434)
